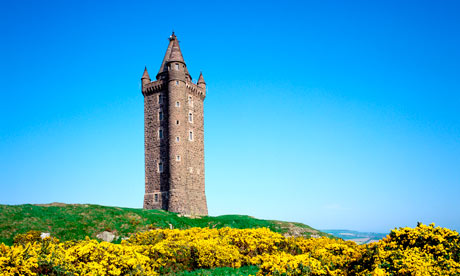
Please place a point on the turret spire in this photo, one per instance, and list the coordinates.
(146, 74)
(201, 82)
(145, 77)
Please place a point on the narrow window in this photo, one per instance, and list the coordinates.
(160, 133)
(177, 66)
(160, 167)
(190, 101)
(177, 157)
(177, 122)
(156, 197)
(177, 104)
(177, 139)
(160, 99)
(160, 115)
(190, 117)
(190, 136)
(177, 82)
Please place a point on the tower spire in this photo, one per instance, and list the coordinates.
(173, 53)
(163, 67)
(176, 54)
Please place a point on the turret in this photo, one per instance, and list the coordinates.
(177, 69)
(145, 77)
(173, 65)
(201, 83)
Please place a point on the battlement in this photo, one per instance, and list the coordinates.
(154, 87)
(195, 89)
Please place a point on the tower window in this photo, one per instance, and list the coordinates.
(177, 66)
(156, 197)
(177, 104)
(190, 100)
(190, 135)
(160, 99)
(177, 82)
(190, 117)
(160, 167)
(177, 157)
(160, 133)
(160, 115)
(177, 122)
(177, 139)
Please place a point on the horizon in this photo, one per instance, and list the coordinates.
(336, 115)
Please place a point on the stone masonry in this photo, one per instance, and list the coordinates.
(174, 137)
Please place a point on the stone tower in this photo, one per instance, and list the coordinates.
(174, 137)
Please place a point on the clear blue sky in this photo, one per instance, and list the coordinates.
(334, 114)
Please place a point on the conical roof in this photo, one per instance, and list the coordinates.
(176, 54)
(173, 53)
(201, 79)
(166, 58)
(146, 74)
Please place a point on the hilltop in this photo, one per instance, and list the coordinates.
(76, 221)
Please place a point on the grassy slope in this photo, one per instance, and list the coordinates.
(76, 221)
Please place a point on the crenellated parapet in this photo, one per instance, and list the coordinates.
(154, 87)
(195, 89)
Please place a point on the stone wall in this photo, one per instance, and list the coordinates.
(156, 151)
(181, 186)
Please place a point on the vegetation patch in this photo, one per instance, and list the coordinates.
(69, 222)
(423, 250)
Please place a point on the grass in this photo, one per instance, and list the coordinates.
(76, 221)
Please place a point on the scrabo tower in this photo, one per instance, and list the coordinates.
(174, 137)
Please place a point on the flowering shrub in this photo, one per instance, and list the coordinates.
(424, 250)
(31, 236)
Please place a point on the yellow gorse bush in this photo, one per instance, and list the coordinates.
(424, 250)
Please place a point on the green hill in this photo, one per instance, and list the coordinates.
(76, 221)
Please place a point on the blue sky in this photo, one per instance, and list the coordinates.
(337, 114)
